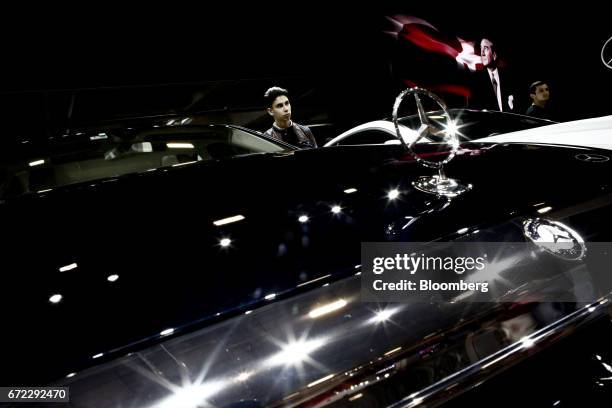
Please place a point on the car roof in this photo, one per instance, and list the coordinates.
(386, 125)
(383, 125)
(595, 132)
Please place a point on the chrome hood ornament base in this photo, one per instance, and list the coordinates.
(439, 184)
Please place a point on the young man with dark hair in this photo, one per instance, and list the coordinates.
(539, 94)
(283, 128)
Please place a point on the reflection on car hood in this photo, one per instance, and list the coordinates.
(136, 256)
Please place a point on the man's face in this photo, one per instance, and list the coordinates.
(487, 54)
(541, 94)
(281, 109)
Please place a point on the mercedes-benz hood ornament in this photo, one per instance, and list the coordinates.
(439, 184)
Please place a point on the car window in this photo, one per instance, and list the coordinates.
(366, 137)
(92, 158)
(245, 140)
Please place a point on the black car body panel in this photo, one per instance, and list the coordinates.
(225, 309)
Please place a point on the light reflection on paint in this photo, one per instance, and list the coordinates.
(295, 352)
(191, 395)
(328, 308)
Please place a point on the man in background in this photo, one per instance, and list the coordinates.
(539, 94)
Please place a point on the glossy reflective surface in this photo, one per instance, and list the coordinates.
(266, 309)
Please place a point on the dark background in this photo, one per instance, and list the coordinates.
(64, 70)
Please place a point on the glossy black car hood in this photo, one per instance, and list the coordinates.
(155, 232)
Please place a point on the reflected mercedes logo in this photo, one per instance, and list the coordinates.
(592, 158)
(606, 53)
(555, 238)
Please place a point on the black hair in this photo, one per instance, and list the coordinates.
(273, 93)
(532, 87)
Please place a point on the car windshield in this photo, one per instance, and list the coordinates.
(472, 125)
(87, 156)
